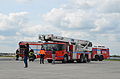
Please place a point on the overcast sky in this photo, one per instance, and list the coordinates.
(94, 20)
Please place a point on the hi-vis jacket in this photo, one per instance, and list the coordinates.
(42, 51)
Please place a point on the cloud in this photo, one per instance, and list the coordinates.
(110, 6)
(75, 34)
(86, 16)
(7, 49)
(95, 20)
(107, 23)
(69, 18)
(2, 37)
(23, 1)
(10, 26)
(12, 20)
(33, 30)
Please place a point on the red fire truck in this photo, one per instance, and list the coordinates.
(100, 53)
(67, 49)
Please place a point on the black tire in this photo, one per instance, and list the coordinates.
(81, 59)
(78, 61)
(85, 59)
(88, 60)
(71, 61)
(101, 58)
(65, 60)
(49, 61)
(96, 57)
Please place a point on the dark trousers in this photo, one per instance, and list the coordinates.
(25, 61)
(53, 58)
(17, 57)
(42, 58)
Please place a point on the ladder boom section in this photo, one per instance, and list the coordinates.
(84, 44)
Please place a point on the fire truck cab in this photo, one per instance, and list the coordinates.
(67, 49)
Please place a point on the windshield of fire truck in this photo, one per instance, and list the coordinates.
(58, 47)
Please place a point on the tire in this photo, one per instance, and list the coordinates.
(81, 59)
(78, 61)
(85, 59)
(96, 57)
(88, 60)
(49, 61)
(65, 60)
(101, 58)
(71, 61)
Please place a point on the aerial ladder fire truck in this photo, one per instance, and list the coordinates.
(67, 49)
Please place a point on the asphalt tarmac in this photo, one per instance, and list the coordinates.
(11, 69)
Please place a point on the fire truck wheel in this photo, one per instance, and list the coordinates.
(96, 57)
(88, 60)
(71, 61)
(81, 59)
(85, 59)
(78, 61)
(65, 60)
(101, 58)
(49, 61)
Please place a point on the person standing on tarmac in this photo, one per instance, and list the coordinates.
(32, 56)
(53, 55)
(26, 55)
(17, 54)
(42, 54)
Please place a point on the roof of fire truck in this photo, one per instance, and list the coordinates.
(84, 44)
(100, 47)
(51, 37)
(37, 43)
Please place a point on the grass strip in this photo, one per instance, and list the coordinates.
(7, 56)
(112, 59)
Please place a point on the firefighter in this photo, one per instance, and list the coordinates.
(17, 54)
(32, 56)
(53, 55)
(26, 55)
(42, 54)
